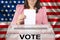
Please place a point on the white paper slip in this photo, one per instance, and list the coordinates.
(30, 17)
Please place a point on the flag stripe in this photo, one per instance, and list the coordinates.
(53, 17)
(3, 26)
(55, 23)
(56, 26)
(53, 10)
(53, 13)
(2, 39)
(54, 20)
(3, 32)
(56, 29)
(57, 38)
(3, 29)
(57, 32)
(50, 3)
(53, 7)
(2, 36)
(49, 0)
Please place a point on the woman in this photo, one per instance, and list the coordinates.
(41, 17)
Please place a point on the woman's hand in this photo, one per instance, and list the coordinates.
(20, 19)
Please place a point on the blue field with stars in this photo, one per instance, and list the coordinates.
(7, 9)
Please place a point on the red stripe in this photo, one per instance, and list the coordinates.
(55, 26)
(2, 39)
(53, 13)
(54, 20)
(57, 32)
(57, 38)
(3, 26)
(53, 7)
(49, 0)
(3, 32)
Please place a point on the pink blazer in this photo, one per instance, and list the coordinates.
(41, 16)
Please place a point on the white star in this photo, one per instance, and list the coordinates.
(18, 1)
(6, 10)
(22, 1)
(2, 1)
(10, 10)
(12, 6)
(6, 1)
(10, 18)
(2, 10)
(12, 14)
(4, 6)
(8, 14)
(4, 15)
(10, 1)
(8, 6)
(6, 19)
(14, 10)
(14, 1)
(2, 19)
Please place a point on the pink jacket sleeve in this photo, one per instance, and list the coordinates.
(44, 17)
(19, 10)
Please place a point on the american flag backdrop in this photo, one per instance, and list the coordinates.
(7, 10)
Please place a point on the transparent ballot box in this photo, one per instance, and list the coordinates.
(30, 32)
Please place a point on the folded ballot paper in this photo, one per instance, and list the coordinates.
(30, 17)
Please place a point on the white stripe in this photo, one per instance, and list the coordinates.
(3, 29)
(5, 23)
(54, 16)
(50, 3)
(2, 35)
(56, 29)
(55, 23)
(53, 10)
(57, 36)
